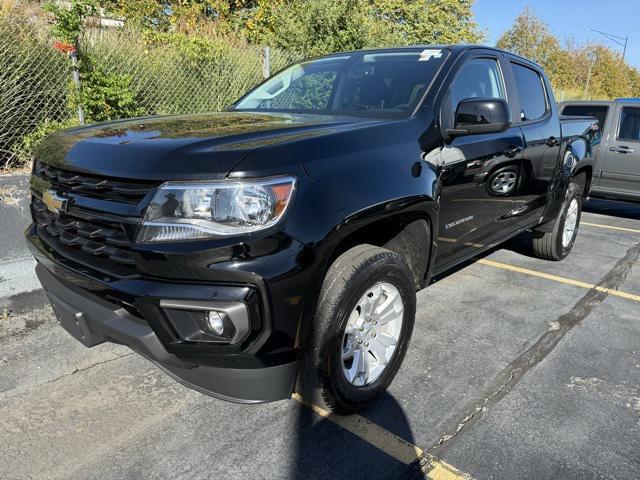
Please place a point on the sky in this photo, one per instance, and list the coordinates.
(569, 19)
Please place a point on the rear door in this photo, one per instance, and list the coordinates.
(621, 165)
(537, 117)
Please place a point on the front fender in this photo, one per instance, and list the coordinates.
(360, 197)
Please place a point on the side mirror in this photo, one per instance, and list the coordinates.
(474, 116)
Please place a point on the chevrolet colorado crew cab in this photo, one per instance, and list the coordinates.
(278, 246)
(616, 169)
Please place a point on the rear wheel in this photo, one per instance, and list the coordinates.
(556, 244)
(363, 323)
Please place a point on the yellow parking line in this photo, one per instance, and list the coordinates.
(611, 227)
(388, 442)
(556, 278)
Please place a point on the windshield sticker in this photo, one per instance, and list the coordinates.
(428, 54)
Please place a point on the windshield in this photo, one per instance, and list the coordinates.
(385, 83)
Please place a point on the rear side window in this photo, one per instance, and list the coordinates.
(598, 111)
(629, 124)
(533, 99)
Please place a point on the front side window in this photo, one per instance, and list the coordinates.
(533, 99)
(629, 128)
(389, 83)
(478, 78)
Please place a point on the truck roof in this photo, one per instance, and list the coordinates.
(454, 48)
(600, 102)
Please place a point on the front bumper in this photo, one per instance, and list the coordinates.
(93, 320)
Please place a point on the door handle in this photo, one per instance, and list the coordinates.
(512, 151)
(621, 149)
(552, 142)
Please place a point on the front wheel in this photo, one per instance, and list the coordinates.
(556, 244)
(363, 323)
(504, 181)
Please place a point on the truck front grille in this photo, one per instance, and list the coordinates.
(90, 239)
(92, 186)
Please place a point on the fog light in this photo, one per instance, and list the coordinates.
(215, 322)
(208, 321)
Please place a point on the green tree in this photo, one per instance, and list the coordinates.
(530, 37)
(594, 70)
(610, 77)
(181, 15)
(430, 21)
(322, 26)
(315, 27)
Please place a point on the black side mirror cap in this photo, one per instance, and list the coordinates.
(480, 115)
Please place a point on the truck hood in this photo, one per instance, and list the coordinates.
(182, 146)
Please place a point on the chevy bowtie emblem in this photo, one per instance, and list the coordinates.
(55, 202)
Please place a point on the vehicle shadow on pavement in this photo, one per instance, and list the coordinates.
(522, 244)
(325, 450)
(613, 208)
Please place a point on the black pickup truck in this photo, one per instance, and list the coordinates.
(279, 245)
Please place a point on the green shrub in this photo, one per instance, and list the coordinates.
(178, 73)
(70, 18)
(104, 96)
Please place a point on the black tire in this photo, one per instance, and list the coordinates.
(321, 379)
(549, 245)
(506, 185)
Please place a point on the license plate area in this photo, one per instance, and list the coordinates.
(74, 322)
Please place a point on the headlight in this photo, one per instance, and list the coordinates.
(189, 211)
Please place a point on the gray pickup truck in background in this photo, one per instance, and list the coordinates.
(616, 173)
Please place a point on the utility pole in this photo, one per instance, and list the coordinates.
(586, 87)
(615, 39)
(591, 56)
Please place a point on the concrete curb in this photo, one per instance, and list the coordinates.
(16, 263)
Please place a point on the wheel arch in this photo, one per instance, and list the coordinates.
(398, 231)
(587, 170)
(402, 233)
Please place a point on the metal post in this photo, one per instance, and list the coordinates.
(75, 74)
(624, 51)
(266, 62)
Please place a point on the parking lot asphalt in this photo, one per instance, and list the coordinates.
(518, 368)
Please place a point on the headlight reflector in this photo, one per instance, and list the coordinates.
(189, 211)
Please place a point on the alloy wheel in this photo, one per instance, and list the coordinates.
(371, 334)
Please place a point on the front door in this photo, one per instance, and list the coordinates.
(621, 166)
(476, 179)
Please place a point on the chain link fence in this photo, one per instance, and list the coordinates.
(33, 87)
(36, 79)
